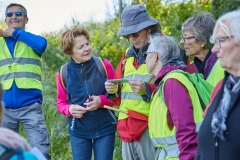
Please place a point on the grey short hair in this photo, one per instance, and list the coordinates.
(166, 47)
(201, 26)
(24, 10)
(234, 18)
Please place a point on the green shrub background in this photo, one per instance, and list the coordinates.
(106, 43)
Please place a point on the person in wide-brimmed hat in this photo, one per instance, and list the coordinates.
(134, 19)
(134, 96)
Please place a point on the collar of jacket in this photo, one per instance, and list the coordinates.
(138, 53)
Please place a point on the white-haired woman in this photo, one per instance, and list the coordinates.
(196, 32)
(218, 135)
(175, 111)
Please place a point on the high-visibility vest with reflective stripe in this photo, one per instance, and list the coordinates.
(129, 99)
(159, 131)
(216, 74)
(24, 68)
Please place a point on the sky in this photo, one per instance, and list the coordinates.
(52, 15)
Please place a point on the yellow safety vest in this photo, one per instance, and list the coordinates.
(159, 131)
(24, 68)
(216, 74)
(129, 99)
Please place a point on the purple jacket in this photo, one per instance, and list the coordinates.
(180, 113)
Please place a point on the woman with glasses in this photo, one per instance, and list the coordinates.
(134, 96)
(218, 135)
(196, 32)
(175, 111)
(82, 97)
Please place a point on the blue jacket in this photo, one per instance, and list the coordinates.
(15, 98)
(85, 79)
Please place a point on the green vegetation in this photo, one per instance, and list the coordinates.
(107, 44)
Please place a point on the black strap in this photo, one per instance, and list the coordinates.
(62, 126)
(100, 66)
(64, 74)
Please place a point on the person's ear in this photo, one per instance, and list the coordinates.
(203, 44)
(26, 20)
(156, 58)
(149, 31)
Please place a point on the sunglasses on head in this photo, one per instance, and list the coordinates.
(10, 14)
(135, 35)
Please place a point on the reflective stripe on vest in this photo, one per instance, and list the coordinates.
(170, 139)
(131, 100)
(24, 68)
(168, 151)
(21, 61)
(131, 95)
(20, 75)
(160, 134)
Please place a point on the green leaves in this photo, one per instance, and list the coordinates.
(220, 7)
(172, 14)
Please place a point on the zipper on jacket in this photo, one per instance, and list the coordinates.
(112, 115)
(85, 82)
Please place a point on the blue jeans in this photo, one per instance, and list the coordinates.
(102, 147)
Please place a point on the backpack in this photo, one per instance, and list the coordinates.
(63, 77)
(8, 153)
(203, 87)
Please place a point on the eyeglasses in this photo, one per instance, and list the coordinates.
(219, 40)
(186, 38)
(146, 53)
(135, 35)
(10, 14)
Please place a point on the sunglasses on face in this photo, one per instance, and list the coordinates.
(135, 35)
(10, 14)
